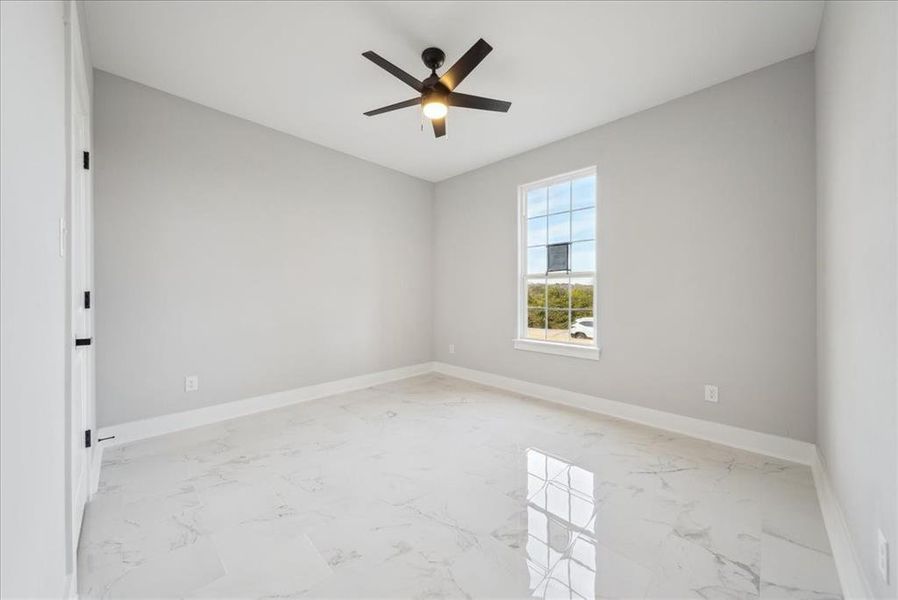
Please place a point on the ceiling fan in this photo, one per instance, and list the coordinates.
(438, 92)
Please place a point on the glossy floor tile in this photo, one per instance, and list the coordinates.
(436, 487)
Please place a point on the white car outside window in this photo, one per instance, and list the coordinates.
(582, 328)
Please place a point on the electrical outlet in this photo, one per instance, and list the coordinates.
(710, 393)
(451, 348)
(883, 556)
(191, 383)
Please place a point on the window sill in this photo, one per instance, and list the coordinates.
(574, 351)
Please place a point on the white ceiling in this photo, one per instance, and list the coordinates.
(566, 67)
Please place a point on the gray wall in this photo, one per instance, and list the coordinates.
(706, 256)
(856, 185)
(248, 257)
(32, 300)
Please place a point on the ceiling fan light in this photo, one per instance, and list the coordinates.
(435, 109)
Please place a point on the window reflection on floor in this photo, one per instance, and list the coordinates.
(560, 528)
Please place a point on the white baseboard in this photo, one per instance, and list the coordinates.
(146, 428)
(854, 585)
(851, 574)
(727, 435)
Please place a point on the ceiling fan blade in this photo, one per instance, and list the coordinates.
(478, 102)
(439, 127)
(397, 106)
(463, 67)
(393, 70)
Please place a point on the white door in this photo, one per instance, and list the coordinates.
(81, 321)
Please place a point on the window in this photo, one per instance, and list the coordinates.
(557, 274)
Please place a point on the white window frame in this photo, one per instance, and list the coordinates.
(521, 342)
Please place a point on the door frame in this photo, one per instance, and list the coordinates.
(78, 94)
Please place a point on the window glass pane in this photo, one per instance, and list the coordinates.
(560, 197)
(536, 324)
(583, 224)
(536, 202)
(558, 325)
(536, 293)
(582, 327)
(583, 256)
(558, 293)
(581, 292)
(536, 231)
(536, 260)
(583, 192)
(559, 228)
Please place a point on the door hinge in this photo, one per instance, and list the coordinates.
(87, 299)
(87, 438)
(86, 160)
(83, 341)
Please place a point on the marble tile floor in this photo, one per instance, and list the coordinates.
(437, 487)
